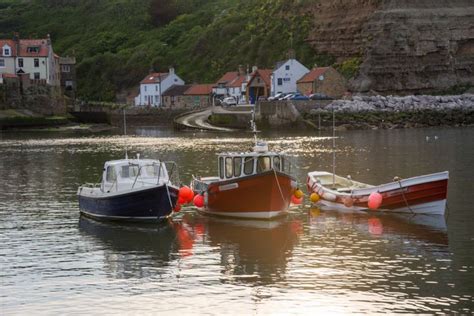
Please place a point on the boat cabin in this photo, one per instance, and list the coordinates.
(127, 174)
(235, 165)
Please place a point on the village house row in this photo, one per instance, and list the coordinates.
(33, 62)
(246, 86)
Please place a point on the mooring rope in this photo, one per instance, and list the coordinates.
(279, 187)
(404, 198)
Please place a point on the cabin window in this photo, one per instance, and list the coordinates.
(228, 167)
(276, 163)
(237, 166)
(285, 164)
(129, 171)
(221, 168)
(248, 165)
(263, 164)
(110, 176)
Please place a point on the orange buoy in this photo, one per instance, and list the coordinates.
(314, 197)
(298, 194)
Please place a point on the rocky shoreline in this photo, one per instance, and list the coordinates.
(373, 112)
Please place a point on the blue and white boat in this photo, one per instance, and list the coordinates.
(132, 190)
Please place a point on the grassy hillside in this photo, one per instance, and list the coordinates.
(116, 42)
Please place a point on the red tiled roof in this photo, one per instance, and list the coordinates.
(237, 82)
(228, 77)
(199, 89)
(264, 74)
(42, 44)
(313, 74)
(154, 77)
(5, 75)
(10, 43)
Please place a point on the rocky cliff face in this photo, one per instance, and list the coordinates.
(405, 46)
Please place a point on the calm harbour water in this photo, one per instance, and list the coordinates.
(52, 261)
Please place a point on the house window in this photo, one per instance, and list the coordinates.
(280, 81)
(37, 75)
(37, 62)
(20, 62)
(2, 62)
(145, 88)
(68, 83)
(65, 68)
(156, 99)
(156, 88)
(32, 49)
(287, 67)
(6, 51)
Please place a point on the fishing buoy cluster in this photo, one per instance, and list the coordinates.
(375, 200)
(185, 196)
(198, 200)
(297, 197)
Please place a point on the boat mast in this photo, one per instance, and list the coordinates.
(125, 132)
(333, 149)
(253, 125)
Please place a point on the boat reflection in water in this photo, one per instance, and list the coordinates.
(252, 251)
(128, 248)
(421, 227)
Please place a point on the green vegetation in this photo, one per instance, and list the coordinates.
(350, 67)
(116, 42)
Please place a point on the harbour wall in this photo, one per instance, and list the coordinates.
(363, 112)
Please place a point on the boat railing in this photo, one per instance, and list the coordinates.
(173, 175)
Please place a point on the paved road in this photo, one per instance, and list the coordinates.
(198, 120)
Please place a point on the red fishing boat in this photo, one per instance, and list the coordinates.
(421, 195)
(253, 184)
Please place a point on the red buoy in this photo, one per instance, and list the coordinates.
(198, 201)
(375, 200)
(186, 194)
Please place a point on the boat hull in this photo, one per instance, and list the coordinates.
(261, 196)
(420, 195)
(149, 204)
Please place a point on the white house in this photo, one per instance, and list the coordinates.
(154, 85)
(233, 84)
(285, 75)
(30, 56)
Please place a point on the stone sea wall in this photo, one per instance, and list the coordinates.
(399, 104)
(373, 112)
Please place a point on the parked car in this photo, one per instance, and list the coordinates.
(277, 96)
(288, 96)
(320, 96)
(229, 101)
(300, 97)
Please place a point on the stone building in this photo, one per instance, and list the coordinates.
(325, 80)
(68, 75)
(173, 97)
(199, 95)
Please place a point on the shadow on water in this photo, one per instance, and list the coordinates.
(251, 251)
(428, 228)
(128, 248)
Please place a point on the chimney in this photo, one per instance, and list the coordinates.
(16, 36)
(241, 70)
(48, 39)
(291, 53)
(16, 39)
(171, 70)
